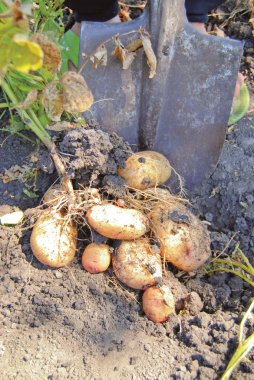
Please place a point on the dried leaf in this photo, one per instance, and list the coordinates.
(124, 14)
(12, 174)
(77, 96)
(217, 32)
(134, 45)
(123, 54)
(100, 57)
(52, 100)
(30, 99)
(51, 54)
(61, 126)
(251, 22)
(151, 57)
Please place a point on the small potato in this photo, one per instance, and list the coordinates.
(135, 264)
(96, 258)
(116, 222)
(158, 304)
(184, 239)
(53, 240)
(145, 169)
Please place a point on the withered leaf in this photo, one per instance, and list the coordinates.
(51, 54)
(52, 100)
(77, 96)
(62, 126)
(124, 14)
(30, 99)
(151, 57)
(217, 32)
(125, 56)
(134, 45)
(100, 57)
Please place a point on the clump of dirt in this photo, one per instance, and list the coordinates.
(93, 156)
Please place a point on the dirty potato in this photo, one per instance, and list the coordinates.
(184, 239)
(158, 303)
(145, 169)
(53, 240)
(116, 222)
(136, 265)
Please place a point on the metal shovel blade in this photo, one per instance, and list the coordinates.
(183, 111)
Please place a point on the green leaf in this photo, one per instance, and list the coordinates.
(30, 193)
(240, 106)
(69, 49)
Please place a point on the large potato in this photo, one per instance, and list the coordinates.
(145, 169)
(183, 238)
(53, 240)
(117, 223)
(136, 265)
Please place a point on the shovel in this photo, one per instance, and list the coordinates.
(183, 111)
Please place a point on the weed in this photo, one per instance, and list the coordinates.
(238, 264)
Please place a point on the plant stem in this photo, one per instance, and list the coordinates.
(34, 124)
(235, 263)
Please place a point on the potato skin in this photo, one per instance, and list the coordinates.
(53, 195)
(145, 169)
(53, 241)
(96, 258)
(116, 222)
(184, 239)
(158, 303)
(136, 265)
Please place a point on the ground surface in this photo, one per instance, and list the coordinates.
(68, 324)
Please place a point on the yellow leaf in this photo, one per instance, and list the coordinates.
(26, 55)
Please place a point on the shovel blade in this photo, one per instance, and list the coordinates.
(183, 111)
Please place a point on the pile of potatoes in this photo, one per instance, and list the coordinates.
(183, 239)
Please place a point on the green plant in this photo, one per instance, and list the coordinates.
(244, 345)
(20, 55)
(237, 263)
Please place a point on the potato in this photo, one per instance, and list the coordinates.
(96, 258)
(183, 238)
(158, 304)
(53, 240)
(116, 222)
(145, 169)
(53, 195)
(135, 264)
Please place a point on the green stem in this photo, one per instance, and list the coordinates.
(235, 263)
(221, 269)
(42, 135)
(34, 124)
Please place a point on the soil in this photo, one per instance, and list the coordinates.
(68, 324)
